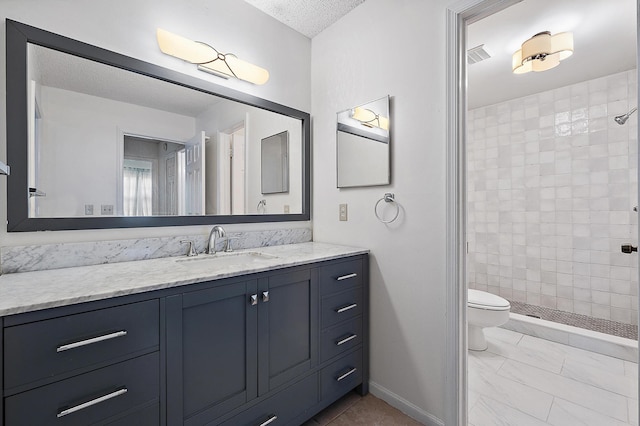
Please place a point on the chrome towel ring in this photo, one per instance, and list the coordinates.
(388, 198)
(262, 207)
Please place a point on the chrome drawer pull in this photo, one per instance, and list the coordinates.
(346, 277)
(91, 341)
(265, 296)
(347, 308)
(347, 374)
(271, 420)
(92, 402)
(254, 299)
(346, 339)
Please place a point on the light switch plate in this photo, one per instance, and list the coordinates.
(286, 208)
(88, 209)
(343, 213)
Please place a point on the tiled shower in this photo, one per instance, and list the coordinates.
(552, 184)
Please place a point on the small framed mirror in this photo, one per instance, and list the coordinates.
(363, 140)
(275, 163)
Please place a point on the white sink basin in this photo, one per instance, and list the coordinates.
(228, 259)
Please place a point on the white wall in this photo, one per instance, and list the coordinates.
(397, 48)
(259, 124)
(128, 27)
(80, 136)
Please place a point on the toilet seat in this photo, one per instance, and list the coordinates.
(487, 301)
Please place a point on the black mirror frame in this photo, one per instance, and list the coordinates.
(18, 35)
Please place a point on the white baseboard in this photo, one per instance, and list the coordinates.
(403, 405)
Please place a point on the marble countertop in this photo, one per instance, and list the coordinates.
(32, 291)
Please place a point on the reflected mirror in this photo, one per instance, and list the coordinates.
(100, 140)
(363, 145)
(275, 164)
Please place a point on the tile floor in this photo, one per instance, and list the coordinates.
(522, 380)
(356, 410)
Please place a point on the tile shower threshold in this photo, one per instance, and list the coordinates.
(613, 328)
(593, 341)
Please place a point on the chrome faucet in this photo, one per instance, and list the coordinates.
(191, 251)
(216, 231)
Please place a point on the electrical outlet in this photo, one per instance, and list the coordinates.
(107, 209)
(88, 209)
(343, 212)
(286, 208)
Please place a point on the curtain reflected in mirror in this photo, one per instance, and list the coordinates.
(137, 188)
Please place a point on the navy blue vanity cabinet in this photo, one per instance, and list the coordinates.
(344, 294)
(211, 351)
(93, 363)
(269, 348)
(234, 343)
(287, 327)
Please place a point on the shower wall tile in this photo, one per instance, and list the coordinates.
(552, 181)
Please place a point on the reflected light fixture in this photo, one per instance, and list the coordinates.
(542, 52)
(208, 59)
(369, 118)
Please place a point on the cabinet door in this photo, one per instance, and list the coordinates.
(211, 352)
(287, 327)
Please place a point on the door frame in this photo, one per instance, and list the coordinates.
(224, 178)
(459, 15)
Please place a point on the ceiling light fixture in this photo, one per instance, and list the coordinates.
(542, 52)
(369, 118)
(208, 59)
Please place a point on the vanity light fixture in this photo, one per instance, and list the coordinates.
(208, 59)
(542, 52)
(369, 118)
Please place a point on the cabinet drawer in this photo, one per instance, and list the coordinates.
(340, 276)
(341, 306)
(90, 397)
(284, 407)
(147, 416)
(341, 376)
(341, 338)
(47, 348)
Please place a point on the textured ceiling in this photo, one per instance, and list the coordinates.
(308, 17)
(604, 34)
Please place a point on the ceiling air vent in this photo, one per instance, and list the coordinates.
(477, 54)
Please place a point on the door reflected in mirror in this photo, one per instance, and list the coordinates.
(363, 139)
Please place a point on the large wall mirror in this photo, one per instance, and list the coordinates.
(101, 140)
(363, 137)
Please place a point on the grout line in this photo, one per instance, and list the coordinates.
(553, 401)
(613, 328)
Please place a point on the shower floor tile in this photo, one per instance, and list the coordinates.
(613, 328)
(510, 385)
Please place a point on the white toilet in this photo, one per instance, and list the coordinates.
(484, 310)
